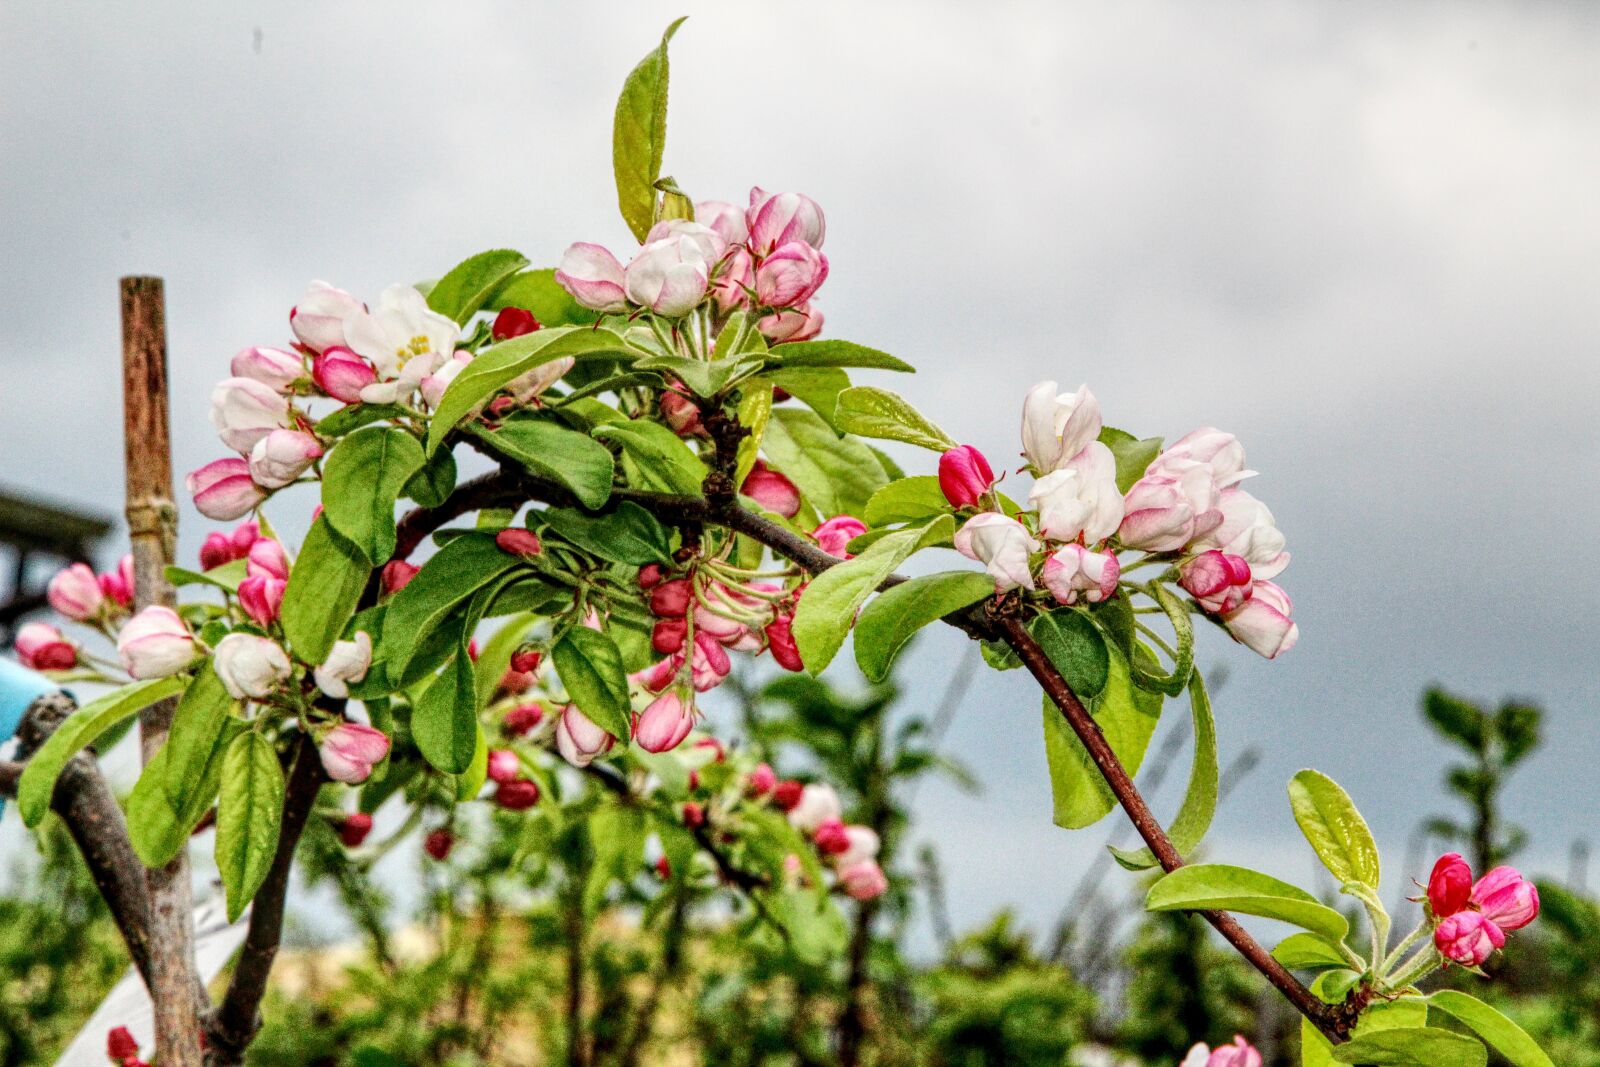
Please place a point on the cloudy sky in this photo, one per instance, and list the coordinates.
(1362, 236)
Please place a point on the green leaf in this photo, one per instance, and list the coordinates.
(432, 485)
(539, 292)
(1336, 830)
(590, 666)
(828, 609)
(1133, 456)
(445, 582)
(1305, 952)
(702, 378)
(197, 728)
(325, 585)
(1189, 828)
(362, 478)
(1424, 1047)
(639, 136)
(444, 723)
(818, 388)
(499, 365)
(816, 930)
(158, 828)
(1221, 887)
(228, 576)
(878, 413)
(629, 534)
(569, 458)
(896, 614)
(914, 499)
(1505, 1036)
(755, 408)
(1075, 646)
(1172, 682)
(469, 285)
(837, 475)
(78, 731)
(354, 416)
(1315, 1051)
(659, 457)
(836, 354)
(249, 812)
(470, 781)
(1127, 716)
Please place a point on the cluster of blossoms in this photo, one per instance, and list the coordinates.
(1471, 919)
(1240, 1053)
(766, 258)
(852, 851)
(76, 592)
(1187, 509)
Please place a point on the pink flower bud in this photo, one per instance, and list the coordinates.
(1468, 938)
(668, 635)
(830, 837)
(117, 585)
(504, 765)
(342, 374)
(120, 1044)
(244, 537)
(663, 868)
(515, 541)
(155, 643)
(244, 411)
(224, 490)
(396, 574)
(724, 219)
(762, 780)
(795, 324)
(680, 413)
(318, 320)
(251, 667)
(670, 600)
(1449, 886)
(1262, 623)
(835, 535)
(45, 648)
(272, 367)
(1003, 545)
(438, 844)
(780, 642)
(594, 278)
(1238, 1054)
(1075, 572)
(864, 881)
(354, 828)
(1507, 899)
(732, 281)
(267, 559)
(1057, 426)
(216, 551)
(262, 599)
(777, 219)
(817, 804)
(514, 681)
(863, 845)
(719, 627)
(791, 275)
(522, 719)
(772, 490)
(662, 673)
(671, 274)
(526, 660)
(348, 662)
(694, 815)
(664, 723)
(1174, 504)
(787, 793)
(75, 592)
(709, 663)
(965, 476)
(350, 750)
(282, 456)
(519, 794)
(1220, 582)
(578, 739)
(433, 385)
(513, 322)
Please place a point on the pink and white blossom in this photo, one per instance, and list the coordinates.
(45, 648)
(250, 667)
(75, 592)
(283, 456)
(664, 723)
(342, 374)
(863, 881)
(272, 367)
(725, 219)
(434, 385)
(244, 411)
(350, 750)
(1003, 545)
(224, 490)
(772, 490)
(1249, 531)
(1262, 623)
(594, 278)
(670, 275)
(775, 219)
(1219, 581)
(403, 338)
(790, 275)
(1074, 572)
(348, 663)
(1174, 504)
(1080, 498)
(800, 323)
(818, 803)
(318, 319)
(1057, 426)
(578, 739)
(835, 535)
(156, 643)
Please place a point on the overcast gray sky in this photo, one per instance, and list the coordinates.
(1362, 236)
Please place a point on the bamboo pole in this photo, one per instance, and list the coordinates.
(153, 530)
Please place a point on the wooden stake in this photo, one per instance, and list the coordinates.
(153, 529)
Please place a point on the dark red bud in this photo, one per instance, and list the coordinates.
(670, 600)
(649, 576)
(519, 795)
(518, 542)
(786, 794)
(353, 829)
(668, 636)
(694, 816)
(438, 843)
(513, 322)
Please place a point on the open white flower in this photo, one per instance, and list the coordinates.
(405, 340)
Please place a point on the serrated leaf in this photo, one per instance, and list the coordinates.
(227, 576)
(445, 582)
(569, 458)
(1127, 716)
(197, 728)
(444, 723)
(158, 828)
(249, 815)
(590, 666)
(878, 413)
(818, 388)
(1207, 886)
(834, 353)
(836, 475)
(1423, 1047)
(325, 585)
(1170, 682)
(894, 616)
(1336, 830)
(1503, 1035)
(755, 408)
(464, 291)
(1194, 816)
(354, 416)
(629, 534)
(639, 135)
(659, 456)
(362, 478)
(914, 499)
(1074, 645)
(78, 731)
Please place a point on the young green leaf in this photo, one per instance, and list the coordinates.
(354, 416)
(1315, 1051)
(818, 388)
(629, 534)
(1204, 886)
(539, 292)
(158, 827)
(1133, 456)
(896, 614)
(445, 721)
(656, 454)
(432, 485)
(755, 408)
(1420, 1047)
(878, 413)
(1336, 830)
(325, 584)
(464, 291)
(1127, 715)
(836, 475)
(1505, 1036)
(1075, 646)
(227, 576)
(700, 377)
(1172, 682)
(446, 581)
(1306, 952)
(78, 731)
(914, 499)
(825, 613)
(1189, 828)
(471, 780)
(249, 813)
(836, 354)
(590, 666)
(362, 478)
(639, 135)
(550, 450)
(197, 728)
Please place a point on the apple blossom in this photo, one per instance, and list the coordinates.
(75, 592)
(267, 559)
(1506, 899)
(224, 490)
(762, 780)
(732, 281)
(1468, 938)
(261, 596)
(1056, 427)
(776, 219)
(513, 322)
(244, 411)
(1074, 572)
(835, 535)
(830, 837)
(250, 667)
(155, 643)
(318, 319)
(1219, 450)
(708, 663)
(670, 275)
(578, 739)
(862, 844)
(780, 642)
(1450, 885)
(1174, 504)
(594, 277)
(1080, 497)
(220, 548)
(350, 750)
(117, 584)
(405, 340)
(724, 219)
(120, 1044)
(664, 723)
(1219, 581)
(522, 719)
(800, 323)
(787, 793)
(1248, 530)
(347, 663)
(1262, 623)
(1238, 1054)
(433, 385)
(772, 490)
(282, 456)
(790, 275)
(863, 881)
(504, 765)
(45, 648)
(342, 374)
(965, 476)
(272, 367)
(1003, 545)
(817, 804)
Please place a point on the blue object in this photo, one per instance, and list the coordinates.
(19, 688)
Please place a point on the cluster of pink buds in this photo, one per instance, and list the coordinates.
(852, 851)
(514, 791)
(766, 257)
(1472, 919)
(1240, 1053)
(79, 594)
(122, 1048)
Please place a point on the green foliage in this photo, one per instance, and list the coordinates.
(1133, 456)
(1189, 827)
(464, 291)
(590, 666)
(832, 353)
(655, 457)
(363, 476)
(639, 134)
(896, 614)
(1127, 716)
(568, 458)
(325, 584)
(1226, 888)
(836, 475)
(539, 292)
(1337, 832)
(869, 412)
(248, 814)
